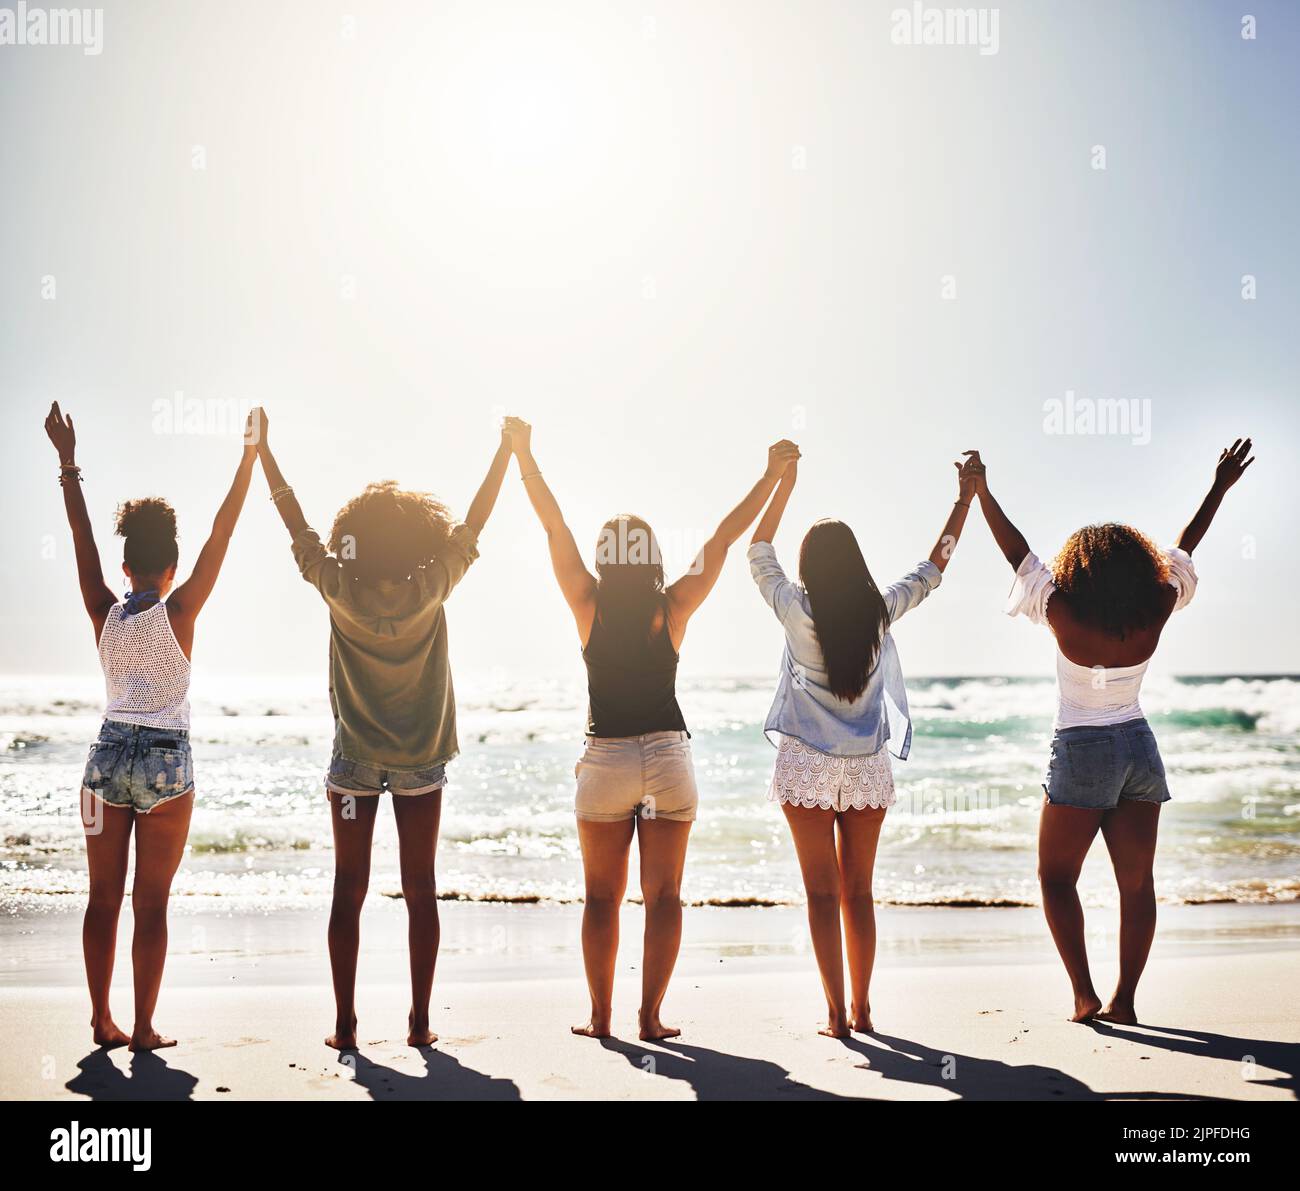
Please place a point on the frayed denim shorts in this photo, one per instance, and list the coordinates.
(1093, 768)
(347, 776)
(137, 767)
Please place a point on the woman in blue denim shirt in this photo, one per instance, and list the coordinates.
(840, 699)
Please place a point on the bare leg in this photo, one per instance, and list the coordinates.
(663, 855)
(160, 839)
(814, 841)
(604, 867)
(353, 820)
(417, 835)
(859, 835)
(1130, 834)
(108, 845)
(1065, 833)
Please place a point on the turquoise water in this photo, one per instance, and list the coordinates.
(962, 833)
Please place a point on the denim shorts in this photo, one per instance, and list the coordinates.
(623, 777)
(346, 776)
(139, 767)
(1093, 768)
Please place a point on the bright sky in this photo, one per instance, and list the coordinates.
(668, 234)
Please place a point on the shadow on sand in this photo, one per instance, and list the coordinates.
(444, 1078)
(1253, 1054)
(150, 1078)
(715, 1075)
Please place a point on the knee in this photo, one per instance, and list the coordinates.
(823, 901)
(149, 902)
(1054, 879)
(1137, 884)
(105, 897)
(858, 901)
(350, 890)
(658, 898)
(602, 901)
(420, 890)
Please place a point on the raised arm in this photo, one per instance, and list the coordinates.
(690, 591)
(1233, 462)
(770, 522)
(1009, 539)
(968, 477)
(187, 601)
(286, 503)
(577, 584)
(96, 595)
(485, 498)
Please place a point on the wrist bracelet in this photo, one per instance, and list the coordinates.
(69, 471)
(963, 504)
(283, 490)
(532, 475)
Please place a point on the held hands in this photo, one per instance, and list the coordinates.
(61, 433)
(1232, 464)
(970, 477)
(518, 436)
(255, 429)
(780, 455)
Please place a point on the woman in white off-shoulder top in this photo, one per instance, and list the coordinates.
(1106, 597)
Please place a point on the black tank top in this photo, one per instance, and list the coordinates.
(631, 692)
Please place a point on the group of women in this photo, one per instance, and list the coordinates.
(840, 709)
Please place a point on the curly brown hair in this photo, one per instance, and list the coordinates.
(1113, 578)
(149, 527)
(388, 532)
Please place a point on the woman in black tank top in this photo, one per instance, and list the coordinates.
(635, 776)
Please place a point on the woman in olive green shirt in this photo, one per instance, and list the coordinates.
(393, 558)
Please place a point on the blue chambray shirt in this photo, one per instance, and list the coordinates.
(804, 706)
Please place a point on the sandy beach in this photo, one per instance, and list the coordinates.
(969, 1005)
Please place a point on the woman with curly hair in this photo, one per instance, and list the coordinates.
(393, 559)
(139, 776)
(1106, 598)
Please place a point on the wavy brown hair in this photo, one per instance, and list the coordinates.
(1113, 577)
(388, 532)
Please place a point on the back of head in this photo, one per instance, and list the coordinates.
(848, 611)
(629, 579)
(149, 527)
(1113, 578)
(388, 532)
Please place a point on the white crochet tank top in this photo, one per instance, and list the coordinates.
(146, 674)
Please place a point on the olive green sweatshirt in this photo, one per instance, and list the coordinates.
(390, 682)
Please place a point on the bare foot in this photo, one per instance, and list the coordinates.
(109, 1036)
(860, 1023)
(150, 1040)
(420, 1036)
(1086, 1008)
(836, 1027)
(344, 1036)
(593, 1029)
(1121, 1013)
(653, 1030)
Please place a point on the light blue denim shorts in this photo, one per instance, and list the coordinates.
(138, 767)
(347, 776)
(1093, 768)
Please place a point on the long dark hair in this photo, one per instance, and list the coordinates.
(1113, 577)
(629, 579)
(848, 611)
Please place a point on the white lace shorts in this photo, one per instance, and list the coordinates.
(806, 777)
